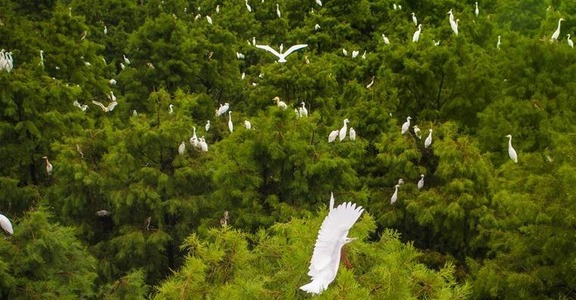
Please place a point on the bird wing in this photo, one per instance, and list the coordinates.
(269, 49)
(99, 104)
(294, 48)
(5, 224)
(112, 105)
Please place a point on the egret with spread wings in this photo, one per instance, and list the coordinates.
(282, 56)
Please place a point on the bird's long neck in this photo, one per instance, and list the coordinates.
(510, 141)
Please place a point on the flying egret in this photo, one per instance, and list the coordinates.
(331, 238)
(386, 40)
(203, 144)
(108, 108)
(476, 10)
(406, 125)
(248, 6)
(428, 140)
(454, 26)
(6, 225)
(417, 131)
(278, 10)
(332, 136)
(247, 124)
(414, 19)
(416, 35)
(282, 56)
(511, 152)
(570, 42)
(498, 44)
(343, 130)
(182, 148)
(421, 182)
(83, 107)
(280, 103)
(352, 134)
(302, 111)
(230, 125)
(207, 126)
(556, 33)
(49, 166)
(395, 195)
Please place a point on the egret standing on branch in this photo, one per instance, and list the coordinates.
(331, 238)
(395, 195)
(282, 56)
(406, 126)
(280, 103)
(332, 136)
(511, 152)
(556, 33)
(6, 225)
(49, 166)
(569, 41)
(414, 19)
(342, 134)
(416, 35)
(230, 124)
(428, 140)
(421, 181)
(476, 10)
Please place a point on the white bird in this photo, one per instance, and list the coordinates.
(317, 27)
(344, 52)
(428, 140)
(364, 55)
(209, 19)
(476, 10)
(319, 2)
(282, 56)
(355, 53)
(207, 126)
(386, 40)
(111, 96)
(331, 238)
(230, 124)
(194, 138)
(83, 107)
(112, 81)
(240, 55)
(6, 225)
(436, 43)
(278, 10)
(182, 148)
(421, 182)
(454, 26)
(556, 33)
(332, 136)
(302, 111)
(352, 134)
(498, 44)
(122, 66)
(343, 130)
(49, 166)
(108, 108)
(406, 125)
(280, 103)
(247, 124)
(248, 6)
(395, 195)
(203, 144)
(371, 83)
(218, 8)
(417, 131)
(105, 29)
(414, 19)
(42, 58)
(400, 181)
(511, 152)
(451, 15)
(134, 113)
(394, 6)
(171, 108)
(126, 60)
(222, 109)
(570, 42)
(416, 35)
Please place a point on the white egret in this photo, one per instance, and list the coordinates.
(240, 55)
(371, 83)
(395, 195)
(417, 131)
(451, 15)
(194, 138)
(230, 124)
(49, 166)
(302, 111)
(317, 27)
(102, 213)
(218, 8)
(171, 108)
(414, 19)
(436, 43)
(476, 10)
(111, 96)
(454, 26)
(416, 35)
(556, 33)
(386, 40)
(355, 53)
(343, 130)
(364, 55)
(428, 140)
(570, 42)
(42, 58)
(223, 109)
(112, 81)
(108, 108)
(209, 19)
(511, 152)
(400, 181)
(243, 76)
(421, 182)
(498, 44)
(394, 6)
(344, 52)
(134, 113)
(105, 29)
(282, 56)
(247, 124)
(319, 2)
(332, 136)
(6, 225)
(248, 6)
(278, 10)
(203, 145)
(406, 125)
(352, 134)
(126, 60)
(207, 126)
(182, 148)
(83, 107)
(280, 103)
(331, 238)
(122, 66)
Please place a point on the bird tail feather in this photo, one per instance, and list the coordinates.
(313, 287)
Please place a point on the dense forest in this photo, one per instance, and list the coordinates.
(151, 150)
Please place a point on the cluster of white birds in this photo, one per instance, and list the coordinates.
(417, 132)
(82, 107)
(6, 61)
(341, 134)
(195, 142)
(554, 37)
(394, 197)
(355, 53)
(110, 107)
(301, 111)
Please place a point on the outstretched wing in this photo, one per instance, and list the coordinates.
(269, 49)
(294, 48)
(99, 104)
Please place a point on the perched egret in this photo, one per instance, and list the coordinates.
(319, 2)
(332, 136)
(414, 19)
(454, 26)
(428, 140)
(556, 33)
(498, 44)
(42, 58)
(247, 124)
(230, 124)
(476, 10)
(282, 56)
(371, 83)
(108, 108)
(395, 195)
(112, 81)
(209, 19)
(317, 27)
(278, 10)
(343, 130)
(511, 152)
(451, 15)
(218, 8)
(222, 109)
(421, 182)
(182, 148)
(171, 108)
(248, 6)
(240, 55)
(400, 181)
(280, 103)
(406, 126)
(83, 107)
(111, 96)
(416, 35)
(126, 60)
(570, 42)
(331, 238)
(417, 131)
(102, 213)
(302, 111)
(207, 126)
(49, 166)
(344, 52)
(355, 53)
(203, 145)
(6, 225)
(194, 138)
(386, 40)
(352, 134)
(105, 29)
